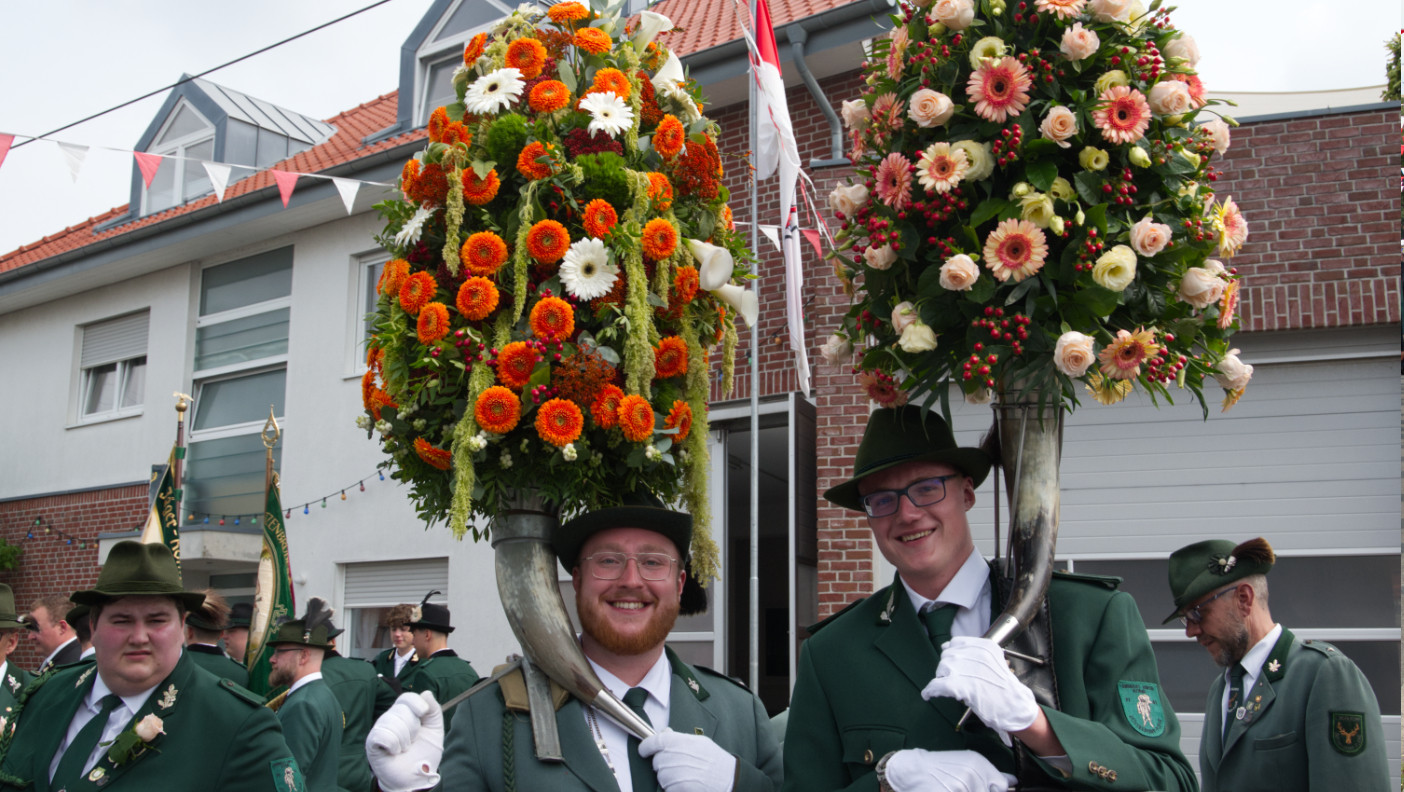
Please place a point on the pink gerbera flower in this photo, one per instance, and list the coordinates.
(1015, 249)
(1228, 304)
(999, 89)
(888, 111)
(1122, 358)
(894, 181)
(1196, 87)
(896, 53)
(1063, 9)
(940, 168)
(1122, 114)
(1232, 228)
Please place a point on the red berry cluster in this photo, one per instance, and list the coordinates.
(1120, 187)
(1019, 15)
(1090, 248)
(1012, 330)
(1006, 149)
(1038, 67)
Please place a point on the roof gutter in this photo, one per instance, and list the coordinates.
(798, 36)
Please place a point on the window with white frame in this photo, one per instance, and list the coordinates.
(185, 141)
(113, 366)
(371, 589)
(442, 51)
(368, 269)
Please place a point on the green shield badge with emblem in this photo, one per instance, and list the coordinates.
(1348, 732)
(287, 776)
(1140, 703)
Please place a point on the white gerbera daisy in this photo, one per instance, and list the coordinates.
(610, 114)
(494, 91)
(941, 167)
(412, 228)
(586, 271)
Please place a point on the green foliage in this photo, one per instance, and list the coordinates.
(9, 554)
(506, 138)
(1391, 92)
(605, 177)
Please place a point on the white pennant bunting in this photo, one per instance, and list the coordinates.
(348, 189)
(74, 154)
(772, 233)
(219, 177)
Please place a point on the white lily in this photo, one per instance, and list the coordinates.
(714, 264)
(650, 25)
(743, 301)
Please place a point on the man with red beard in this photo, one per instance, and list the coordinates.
(630, 576)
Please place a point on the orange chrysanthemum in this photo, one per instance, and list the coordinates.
(660, 191)
(408, 176)
(437, 121)
(727, 220)
(416, 292)
(614, 81)
(599, 218)
(605, 409)
(480, 191)
(367, 387)
(649, 111)
(659, 239)
(375, 360)
(515, 363)
(379, 400)
(670, 358)
(477, 298)
(565, 13)
(680, 418)
(454, 132)
(433, 322)
(559, 422)
(685, 283)
(429, 187)
(529, 164)
(474, 50)
(592, 40)
(497, 410)
(635, 418)
(552, 318)
(668, 139)
(484, 252)
(528, 56)
(548, 96)
(393, 276)
(435, 457)
(547, 241)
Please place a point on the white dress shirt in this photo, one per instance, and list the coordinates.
(90, 707)
(401, 660)
(304, 682)
(659, 684)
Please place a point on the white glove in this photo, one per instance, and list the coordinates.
(973, 670)
(406, 743)
(689, 762)
(918, 770)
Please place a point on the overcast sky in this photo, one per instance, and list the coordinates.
(61, 60)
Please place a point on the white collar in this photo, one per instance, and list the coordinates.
(312, 677)
(57, 649)
(100, 689)
(1252, 662)
(964, 589)
(658, 680)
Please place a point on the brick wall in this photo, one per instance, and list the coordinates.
(50, 563)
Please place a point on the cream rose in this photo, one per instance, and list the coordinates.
(1183, 47)
(1059, 125)
(959, 273)
(1201, 287)
(903, 315)
(1073, 354)
(1149, 238)
(848, 199)
(1115, 269)
(1037, 208)
(917, 337)
(1110, 10)
(1079, 43)
(929, 108)
(1139, 157)
(1111, 79)
(987, 47)
(1170, 97)
(1093, 158)
(1232, 373)
(1218, 133)
(880, 258)
(979, 156)
(836, 350)
(150, 727)
(954, 14)
(855, 113)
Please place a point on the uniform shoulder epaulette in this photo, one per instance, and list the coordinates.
(712, 672)
(1109, 581)
(1320, 646)
(242, 693)
(816, 627)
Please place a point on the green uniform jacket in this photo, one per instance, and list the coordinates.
(11, 684)
(218, 663)
(218, 736)
(857, 696)
(443, 673)
(363, 698)
(1311, 722)
(385, 664)
(311, 718)
(700, 702)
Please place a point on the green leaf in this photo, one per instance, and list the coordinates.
(455, 111)
(917, 29)
(1089, 186)
(983, 291)
(482, 167)
(929, 283)
(1042, 174)
(1022, 289)
(1098, 300)
(988, 209)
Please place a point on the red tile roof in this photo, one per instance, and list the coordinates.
(712, 22)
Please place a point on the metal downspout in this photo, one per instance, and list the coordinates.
(798, 36)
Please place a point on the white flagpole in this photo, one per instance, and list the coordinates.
(755, 403)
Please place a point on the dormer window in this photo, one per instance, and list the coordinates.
(186, 139)
(441, 52)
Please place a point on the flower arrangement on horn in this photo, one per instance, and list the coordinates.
(1034, 204)
(564, 263)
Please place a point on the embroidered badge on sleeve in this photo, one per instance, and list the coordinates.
(1140, 703)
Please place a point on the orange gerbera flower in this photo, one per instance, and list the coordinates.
(599, 218)
(437, 121)
(408, 176)
(670, 358)
(559, 422)
(669, 137)
(416, 292)
(392, 277)
(659, 239)
(455, 132)
(636, 418)
(484, 252)
(614, 81)
(497, 410)
(548, 96)
(477, 298)
(547, 241)
(592, 40)
(430, 187)
(433, 322)
(367, 387)
(660, 191)
(605, 409)
(564, 13)
(379, 400)
(685, 283)
(480, 191)
(1122, 358)
(474, 50)
(528, 56)
(552, 318)
(680, 418)
(435, 457)
(529, 164)
(515, 363)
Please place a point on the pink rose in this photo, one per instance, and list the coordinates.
(880, 258)
(1218, 133)
(846, 200)
(1079, 43)
(959, 273)
(149, 727)
(1170, 97)
(836, 350)
(1149, 238)
(1183, 47)
(954, 14)
(903, 315)
(1073, 354)
(1232, 373)
(1110, 10)
(929, 108)
(1201, 287)
(1059, 125)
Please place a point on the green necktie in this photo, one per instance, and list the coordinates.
(640, 769)
(938, 625)
(75, 758)
(1235, 693)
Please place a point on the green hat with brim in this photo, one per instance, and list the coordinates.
(898, 435)
(134, 569)
(240, 613)
(9, 617)
(294, 631)
(1197, 569)
(75, 614)
(640, 509)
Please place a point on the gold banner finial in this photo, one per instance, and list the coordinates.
(182, 403)
(271, 432)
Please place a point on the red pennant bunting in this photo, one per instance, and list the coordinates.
(5, 141)
(148, 164)
(812, 234)
(286, 181)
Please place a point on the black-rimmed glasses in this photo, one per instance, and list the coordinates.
(611, 566)
(927, 492)
(1195, 615)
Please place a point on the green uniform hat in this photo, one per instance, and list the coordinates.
(1200, 568)
(896, 435)
(9, 617)
(75, 614)
(134, 569)
(431, 616)
(312, 630)
(240, 613)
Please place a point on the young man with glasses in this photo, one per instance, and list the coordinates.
(1286, 714)
(882, 684)
(628, 571)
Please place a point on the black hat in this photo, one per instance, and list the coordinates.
(134, 569)
(896, 435)
(434, 617)
(240, 614)
(640, 509)
(311, 630)
(76, 614)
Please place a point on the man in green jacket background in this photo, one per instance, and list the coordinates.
(203, 628)
(1287, 714)
(310, 714)
(364, 696)
(397, 661)
(440, 671)
(881, 685)
(12, 677)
